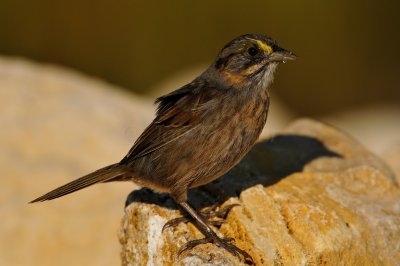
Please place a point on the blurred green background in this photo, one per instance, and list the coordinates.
(348, 50)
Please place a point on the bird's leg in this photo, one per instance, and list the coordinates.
(209, 214)
(210, 236)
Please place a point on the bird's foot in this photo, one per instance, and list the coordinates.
(223, 243)
(214, 216)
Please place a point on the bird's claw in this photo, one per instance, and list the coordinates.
(213, 211)
(192, 244)
(175, 222)
(208, 213)
(223, 243)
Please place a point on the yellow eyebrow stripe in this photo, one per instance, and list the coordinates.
(264, 46)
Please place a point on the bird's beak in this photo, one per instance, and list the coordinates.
(281, 55)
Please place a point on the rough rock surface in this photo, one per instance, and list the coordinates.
(311, 195)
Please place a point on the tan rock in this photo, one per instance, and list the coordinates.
(55, 126)
(309, 196)
(376, 126)
(392, 157)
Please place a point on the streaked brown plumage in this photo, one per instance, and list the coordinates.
(201, 130)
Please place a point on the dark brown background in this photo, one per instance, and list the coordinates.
(349, 50)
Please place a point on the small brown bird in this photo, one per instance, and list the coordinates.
(200, 131)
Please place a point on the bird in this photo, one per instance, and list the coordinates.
(200, 131)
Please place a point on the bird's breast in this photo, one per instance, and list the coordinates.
(239, 124)
(226, 135)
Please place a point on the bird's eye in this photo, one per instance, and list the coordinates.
(253, 51)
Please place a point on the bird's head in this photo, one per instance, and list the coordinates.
(249, 60)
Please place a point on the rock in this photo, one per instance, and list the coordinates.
(311, 195)
(392, 157)
(375, 126)
(56, 125)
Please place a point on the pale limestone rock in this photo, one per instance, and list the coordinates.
(311, 195)
(56, 125)
(392, 157)
(376, 126)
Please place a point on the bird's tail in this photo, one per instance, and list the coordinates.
(102, 175)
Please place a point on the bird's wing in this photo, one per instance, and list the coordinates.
(177, 115)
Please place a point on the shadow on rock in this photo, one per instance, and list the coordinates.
(267, 163)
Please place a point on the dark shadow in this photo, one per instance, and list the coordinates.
(267, 163)
(146, 195)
